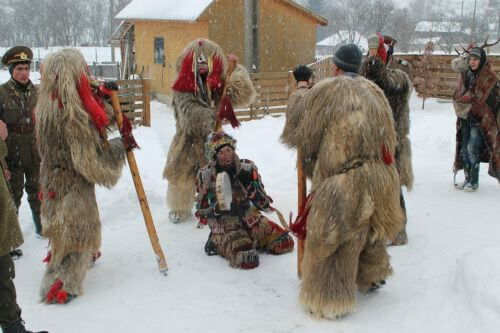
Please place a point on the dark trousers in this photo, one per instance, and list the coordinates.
(472, 144)
(10, 312)
(25, 178)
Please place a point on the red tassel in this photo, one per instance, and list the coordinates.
(127, 136)
(91, 105)
(299, 227)
(54, 289)
(381, 51)
(52, 194)
(226, 111)
(47, 258)
(185, 79)
(386, 155)
(214, 80)
(40, 196)
(62, 297)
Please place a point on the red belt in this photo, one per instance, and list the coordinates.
(21, 129)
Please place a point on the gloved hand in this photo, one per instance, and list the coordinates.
(106, 87)
(465, 99)
(111, 85)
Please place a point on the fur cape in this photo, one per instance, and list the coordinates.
(488, 117)
(397, 88)
(74, 159)
(195, 120)
(346, 124)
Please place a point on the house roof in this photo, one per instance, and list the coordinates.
(343, 37)
(186, 10)
(168, 10)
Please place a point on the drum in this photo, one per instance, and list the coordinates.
(223, 191)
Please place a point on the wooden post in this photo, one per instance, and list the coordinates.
(302, 194)
(146, 212)
(146, 103)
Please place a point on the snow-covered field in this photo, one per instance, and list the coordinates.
(445, 280)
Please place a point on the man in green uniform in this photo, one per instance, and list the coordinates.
(10, 237)
(18, 98)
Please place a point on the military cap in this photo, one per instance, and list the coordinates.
(17, 54)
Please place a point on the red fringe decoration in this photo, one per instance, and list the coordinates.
(226, 111)
(91, 105)
(381, 51)
(40, 196)
(299, 227)
(185, 80)
(54, 289)
(386, 155)
(52, 194)
(47, 258)
(127, 136)
(62, 297)
(214, 80)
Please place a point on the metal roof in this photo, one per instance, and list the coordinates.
(168, 10)
(186, 10)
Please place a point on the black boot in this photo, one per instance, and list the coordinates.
(210, 246)
(17, 327)
(16, 254)
(38, 223)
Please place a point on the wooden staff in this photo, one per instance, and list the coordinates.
(148, 219)
(302, 194)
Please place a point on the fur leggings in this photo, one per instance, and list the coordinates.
(71, 270)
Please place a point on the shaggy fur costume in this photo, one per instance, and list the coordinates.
(488, 118)
(397, 89)
(74, 159)
(346, 125)
(242, 232)
(195, 119)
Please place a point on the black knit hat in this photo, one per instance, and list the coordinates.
(302, 73)
(348, 57)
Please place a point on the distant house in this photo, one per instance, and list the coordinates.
(446, 35)
(328, 46)
(266, 35)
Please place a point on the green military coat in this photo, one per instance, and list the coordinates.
(10, 232)
(16, 110)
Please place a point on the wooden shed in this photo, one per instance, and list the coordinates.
(266, 35)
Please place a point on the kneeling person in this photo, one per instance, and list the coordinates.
(239, 232)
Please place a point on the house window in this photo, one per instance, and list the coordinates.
(159, 50)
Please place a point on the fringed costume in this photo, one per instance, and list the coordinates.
(347, 142)
(71, 123)
(241, 232)
(197, 93)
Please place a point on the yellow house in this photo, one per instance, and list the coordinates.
(266, 35)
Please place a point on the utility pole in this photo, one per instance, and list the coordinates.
(473, 32)
(111, 27)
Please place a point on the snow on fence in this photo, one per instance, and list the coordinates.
(134, 97)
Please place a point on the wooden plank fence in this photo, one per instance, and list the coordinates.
(134, 97)
(274, 89)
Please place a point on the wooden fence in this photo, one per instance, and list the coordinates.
(446, 79)
(274, 89)
(134, 96)
(273, 92)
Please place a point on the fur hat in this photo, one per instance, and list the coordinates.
(216, 141)
(348, 58)
(302, 73)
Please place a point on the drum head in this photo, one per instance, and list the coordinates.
(223, 191)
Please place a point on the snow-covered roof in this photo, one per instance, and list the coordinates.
(168, 10)
(186, 10)
(428, 26)
(343, 37)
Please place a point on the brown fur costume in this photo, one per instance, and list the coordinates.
(397, 89)
(74, 159)
(355, 207)
(195, 119)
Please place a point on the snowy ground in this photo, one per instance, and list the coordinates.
(445, 279)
